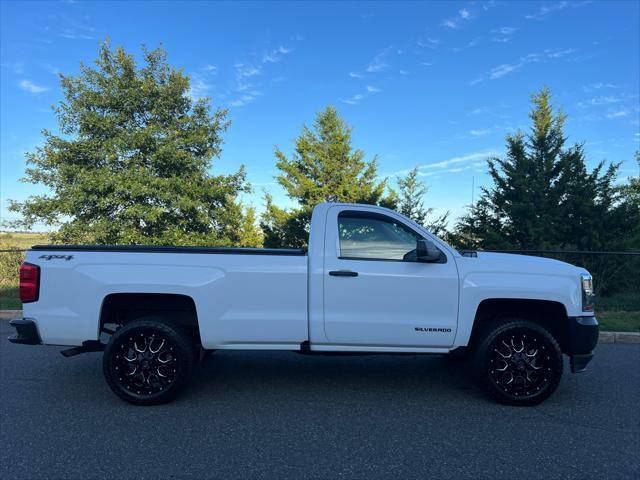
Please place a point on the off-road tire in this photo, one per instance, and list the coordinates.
(518, 362)
(148, 361)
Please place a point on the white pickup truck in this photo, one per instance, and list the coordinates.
(372, 281)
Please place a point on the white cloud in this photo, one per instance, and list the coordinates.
(355, 75)
(449, 24)
(379, 62)
(404, 72)
(472, 157)
(617, 114)
(504, 69)
(504, 30)
(355, 100)
(245, 99)
(29, 86)
(479, 132)
(429, 43)
(508, 68)
(463, 15)
(502, 34)
(478, 111)
(212, 69)
(275, 55)
(198, 87)
(244, 71)
(16, 68)
(599, 86)
(555, 7)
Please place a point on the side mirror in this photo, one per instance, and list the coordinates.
(427, 252)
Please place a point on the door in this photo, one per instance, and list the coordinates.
(376, 293)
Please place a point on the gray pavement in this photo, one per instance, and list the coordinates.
(284, 415)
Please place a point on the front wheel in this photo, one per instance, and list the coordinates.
(519, 363)
(148, 361)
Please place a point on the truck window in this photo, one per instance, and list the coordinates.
(372, 236)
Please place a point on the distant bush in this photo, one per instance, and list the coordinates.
(10, 265)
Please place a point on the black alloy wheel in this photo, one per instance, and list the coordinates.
(520, 363)
(148, 361)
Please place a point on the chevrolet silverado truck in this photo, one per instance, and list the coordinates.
(371, 281)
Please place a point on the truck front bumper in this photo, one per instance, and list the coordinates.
(583, 338)
(26, 332)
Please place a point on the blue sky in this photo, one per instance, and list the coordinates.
(431, 84)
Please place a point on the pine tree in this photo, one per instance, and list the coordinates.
(323, 168)
(411, 203)
(131, 163)
(542, 194)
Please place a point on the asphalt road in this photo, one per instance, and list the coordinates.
(284, 415)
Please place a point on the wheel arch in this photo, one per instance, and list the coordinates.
(549, 314)
(120, 308)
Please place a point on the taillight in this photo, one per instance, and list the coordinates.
(29, 282)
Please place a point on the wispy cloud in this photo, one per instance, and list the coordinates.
(463, 15)
(359, 97)
(432, 43)
(481, 132)
(17, 68)
(355, 100)
(469, 44)
(502, 34)
(456, 164)
(546, 10)
(508, 68)
(245, 99)
(379, 62)
(29, 86)
(599, 86)
(617, 114)
(275, 55)
(250, 76)
(355, 75)
(198, 86)
(70, 28)
(211, 69)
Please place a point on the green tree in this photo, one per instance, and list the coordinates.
(411, 192)
(323, 168)
(132, 162)
(542, 194)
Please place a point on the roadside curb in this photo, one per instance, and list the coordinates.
(605, 337)
(619, 337)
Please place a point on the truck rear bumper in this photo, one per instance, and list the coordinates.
(26, 332)
(583, 337)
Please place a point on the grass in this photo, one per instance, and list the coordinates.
(10, 264)
(619, 313)
(10, 298)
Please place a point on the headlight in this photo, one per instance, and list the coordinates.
(588, 295)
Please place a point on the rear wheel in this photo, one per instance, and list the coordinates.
(519, 363)
(148, 361)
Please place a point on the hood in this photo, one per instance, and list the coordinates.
(523, 263)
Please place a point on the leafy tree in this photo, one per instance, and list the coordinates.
(132, 162)
(323, 168)
(411, 203)
(542, 194)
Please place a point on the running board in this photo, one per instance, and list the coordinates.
(88, 346)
